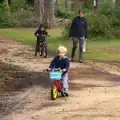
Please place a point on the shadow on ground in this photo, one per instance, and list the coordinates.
(14, 78)
(91, 76)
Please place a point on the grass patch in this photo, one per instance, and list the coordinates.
(97, 48)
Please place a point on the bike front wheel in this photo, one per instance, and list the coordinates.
(54, 92)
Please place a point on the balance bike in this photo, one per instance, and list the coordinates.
(56, 85)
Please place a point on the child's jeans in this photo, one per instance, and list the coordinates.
(37, 46)
(65, 81)
(43, 46)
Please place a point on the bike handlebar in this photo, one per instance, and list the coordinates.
(56, 69)
(42, 35)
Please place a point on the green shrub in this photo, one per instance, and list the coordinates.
(27, 19)
(64, 14)
(98, 25)
(66, 30)
(6, 18)
(17, 5)
(113, 15)
(88, 5)
(17, 16)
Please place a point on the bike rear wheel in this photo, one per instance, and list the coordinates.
(54, 92)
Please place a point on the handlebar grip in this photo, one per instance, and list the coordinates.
(56, 69)
(47, 70)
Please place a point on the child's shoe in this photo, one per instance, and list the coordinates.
(81, 61)
(64, 93)
(35, 54)
(71, 60)
(45, 56)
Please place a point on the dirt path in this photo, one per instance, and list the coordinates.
(94, 93)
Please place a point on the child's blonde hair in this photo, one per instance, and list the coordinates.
(62, 48)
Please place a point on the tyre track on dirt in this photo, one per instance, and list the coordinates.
(17, 103)
(104, 67)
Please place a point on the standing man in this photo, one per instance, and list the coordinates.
(78, 33)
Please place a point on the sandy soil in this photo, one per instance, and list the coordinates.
(94, 88)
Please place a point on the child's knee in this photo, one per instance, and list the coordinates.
(65, 78)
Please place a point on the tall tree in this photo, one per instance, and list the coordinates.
(49, 13)
(6, 3)
(113, 2)
(67, 4)
(45, 12)
(57, 4)
(96, 4)
(39, 9)
(117, 2)
(52, 12)
(75, 5)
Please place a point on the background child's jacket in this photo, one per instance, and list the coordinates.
(39, 34)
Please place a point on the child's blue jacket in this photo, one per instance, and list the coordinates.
(60, 63)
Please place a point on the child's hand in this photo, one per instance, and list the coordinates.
(48, 34)
(64, 70)
(37, 34)
(48, 69)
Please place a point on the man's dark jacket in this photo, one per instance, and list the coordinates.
(79, 28)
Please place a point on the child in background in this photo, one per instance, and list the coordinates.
(41, 34)
(61, 61)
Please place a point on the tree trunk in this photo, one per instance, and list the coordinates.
(52, 13)
(75, 5)
(57, 4)
(6, 3)
(117, 3)
(39, 9)
(113, 2)
(67, 4)
(46, 14)
(49, 13)
(36, 8)
(96, 4)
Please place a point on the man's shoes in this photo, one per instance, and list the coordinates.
(45, 56)
(40, 55)
(35, 54)
(81, 61)
(84, 50)
(71, 60)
